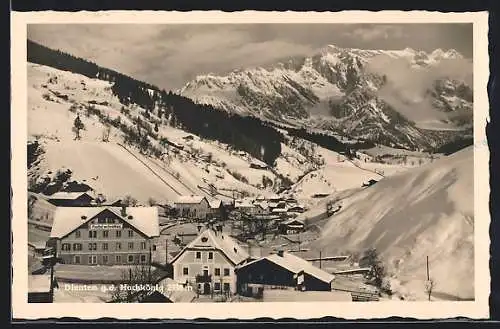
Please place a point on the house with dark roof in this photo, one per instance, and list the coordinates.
(208, 263)
(104, 235)
(71, 199)
(283, 270)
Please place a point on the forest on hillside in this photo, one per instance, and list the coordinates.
(248, 134)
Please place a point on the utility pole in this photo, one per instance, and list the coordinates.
(166, 252)
(149, 267)
(320, 259)
(53, 261)
(428, 277)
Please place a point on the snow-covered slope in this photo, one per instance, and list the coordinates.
(411, 215)
(55, 98)
(350, 91)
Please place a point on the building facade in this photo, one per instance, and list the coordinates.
(105, 235)
(193, 207)
(208, 263)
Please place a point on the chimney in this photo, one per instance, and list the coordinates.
(124, 211)
(280, 253)
(199, 228)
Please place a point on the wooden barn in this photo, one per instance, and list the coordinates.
(282, 270)
(71, 199)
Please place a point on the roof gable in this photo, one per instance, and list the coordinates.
(191, 199)
(68, 219)
(209, 239)
(69, 195)
(296, 265)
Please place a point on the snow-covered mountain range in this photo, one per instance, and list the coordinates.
(384, 96)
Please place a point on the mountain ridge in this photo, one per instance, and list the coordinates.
(337, 87)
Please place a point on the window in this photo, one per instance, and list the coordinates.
(118, 234)
(118, 259)
(130, 245)
(118, 246)
(92, 234)
(110, 221)
(226, 286)
(93, 246)
(185, 271)
(226, 272)
(92, 259)
(217, 272)
(216, 285)
(105, 234)
(198, 255)
(101, 220)
(66, 246)
(105, 259)
(105, 246)
(77, 234)
(130, 258)
(130, 233)
(143, 245)
(210, 255)
(77, 259)
(77, 246)
(143, 258)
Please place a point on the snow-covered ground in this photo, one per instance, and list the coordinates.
(409, 216)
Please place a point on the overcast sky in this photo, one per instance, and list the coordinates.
(171, 55)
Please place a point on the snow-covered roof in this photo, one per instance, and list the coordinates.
(215, 204)
(296, 265)
(38, 283)
(67, 195)
(209, 239)
(279, 210)
(293, 220)
(244, 203)
(67, 219)
(38, 244)
(191, 199)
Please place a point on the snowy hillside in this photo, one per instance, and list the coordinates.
(115, 169)
(200, 166)
(352, 92)
(427, 211)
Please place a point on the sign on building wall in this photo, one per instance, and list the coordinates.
(106, 226)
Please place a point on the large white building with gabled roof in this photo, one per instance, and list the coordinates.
(104, 235)
(208, 262)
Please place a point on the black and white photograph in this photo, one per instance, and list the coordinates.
(252, 163)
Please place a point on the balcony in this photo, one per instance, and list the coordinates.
(202, 278)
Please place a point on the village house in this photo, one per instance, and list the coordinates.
(208, 263)
(104, 235)
(282, 270)
(217, 210)
(291, 226)
(244, 205)
(71, 199)
(193, 206)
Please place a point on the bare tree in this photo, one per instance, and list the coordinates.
(429, 287)
(152, 202)
(130, 201)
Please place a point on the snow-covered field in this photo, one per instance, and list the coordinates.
(409, 216)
